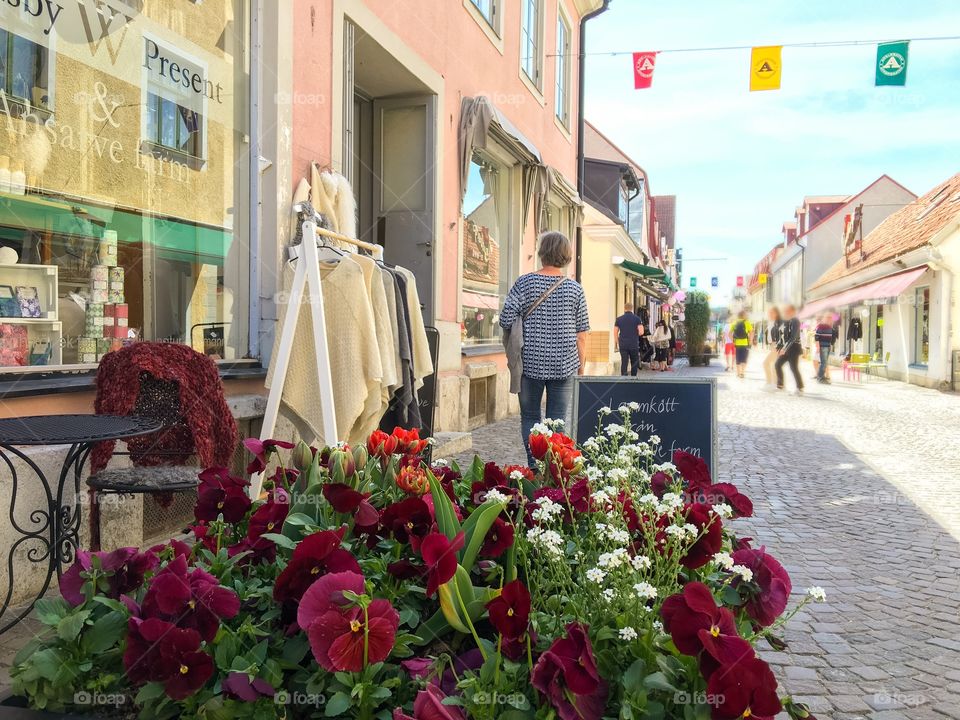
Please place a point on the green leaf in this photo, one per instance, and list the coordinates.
(106, 632)
(300, 519)
(50, 611)
(115, 605)
(658, 681)
(633, 677)
(443, 509)
(69, 627)
(225, 650)
(475, 529)
(150, 691)
(475, 473)
(337, 704)
(47, 663)
(295, 649)
(281, 540)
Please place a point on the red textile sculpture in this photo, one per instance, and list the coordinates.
(174, 383)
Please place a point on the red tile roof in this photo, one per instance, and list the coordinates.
(909, 228)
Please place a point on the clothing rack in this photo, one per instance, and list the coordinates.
(306, 278)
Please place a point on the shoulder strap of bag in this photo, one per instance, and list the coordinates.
(546, 294)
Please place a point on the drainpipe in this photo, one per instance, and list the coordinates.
(581, 93)
(253, 190)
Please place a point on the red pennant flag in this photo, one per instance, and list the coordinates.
(644, 64)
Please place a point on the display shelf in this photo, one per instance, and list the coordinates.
(44, 278)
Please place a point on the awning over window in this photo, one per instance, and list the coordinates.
(480, 300)
(882, 289)
(646, 271)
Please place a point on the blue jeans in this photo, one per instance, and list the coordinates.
(559, 406)
(824, 361)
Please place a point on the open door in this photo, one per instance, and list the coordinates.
(404, 187)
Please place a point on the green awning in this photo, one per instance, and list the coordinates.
(173, 238)
(647, 272)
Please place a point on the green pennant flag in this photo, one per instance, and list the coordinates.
(892, 63)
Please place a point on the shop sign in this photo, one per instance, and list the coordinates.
(682, 412)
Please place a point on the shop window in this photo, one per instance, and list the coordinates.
(635, 218)
(531, 40)
(623, 206)
(921, 354)
(487, 249)
(24, 74)
(112, 229)
(562, 99)
(878, 334)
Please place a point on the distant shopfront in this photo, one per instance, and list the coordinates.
(124, 180)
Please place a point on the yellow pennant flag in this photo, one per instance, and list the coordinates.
(765, 68)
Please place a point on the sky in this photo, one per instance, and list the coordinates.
(740, 162)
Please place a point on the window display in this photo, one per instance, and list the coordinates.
(486, 248)
(124, 179)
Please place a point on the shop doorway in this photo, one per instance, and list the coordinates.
(390, 156)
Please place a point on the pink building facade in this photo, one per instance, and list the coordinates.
(384, 92)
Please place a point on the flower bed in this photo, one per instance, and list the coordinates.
(368, 585)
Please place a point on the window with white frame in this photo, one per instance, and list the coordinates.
(176, 93)
(24, 72)
(562, 100)
(531, 40)
(490, 10)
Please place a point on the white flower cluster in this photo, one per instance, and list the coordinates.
(743, 571)
(591, 444)
(441, 462)
(613, 429)
(723, 510)
(593, 473)
(496, 496)
(723, 560)
(641, 562)
(541, 429)
(683, 531)
(596, 575)
(605, 410)
(601, 498)
(516, 475)
(628, 634)
(817, 593)
(618, 535)
(546, 510)
(549, 541)
(617, 475)
(645, 591)
(654, 439)
(613, 560)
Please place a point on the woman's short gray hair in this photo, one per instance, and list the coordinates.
(555, 249)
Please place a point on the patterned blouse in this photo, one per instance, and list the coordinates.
(550, 331)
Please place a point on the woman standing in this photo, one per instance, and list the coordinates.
(661, 344)
(774, 346)
(553, 309)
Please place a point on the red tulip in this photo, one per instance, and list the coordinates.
(381, 445)
(539, 444)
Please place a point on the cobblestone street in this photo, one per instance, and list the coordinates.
(856, 488)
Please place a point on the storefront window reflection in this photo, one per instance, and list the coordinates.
(486, 255)
(123, 179)
(922, 351)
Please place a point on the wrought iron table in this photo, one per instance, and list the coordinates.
(54, 531)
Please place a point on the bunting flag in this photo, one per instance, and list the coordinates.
(765, 68)
(644, 64)
(892, 63)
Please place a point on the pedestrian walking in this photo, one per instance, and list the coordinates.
(742, 339)
(553, 311)
(729, 349)
(627, 330)
(824, 339)
(661, 346)
(774, 336)
(792, 349)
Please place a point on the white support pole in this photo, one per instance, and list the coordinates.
(306, 276)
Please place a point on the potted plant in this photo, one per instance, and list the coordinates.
(697, 318)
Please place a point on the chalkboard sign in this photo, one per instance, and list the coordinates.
(681, 411)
